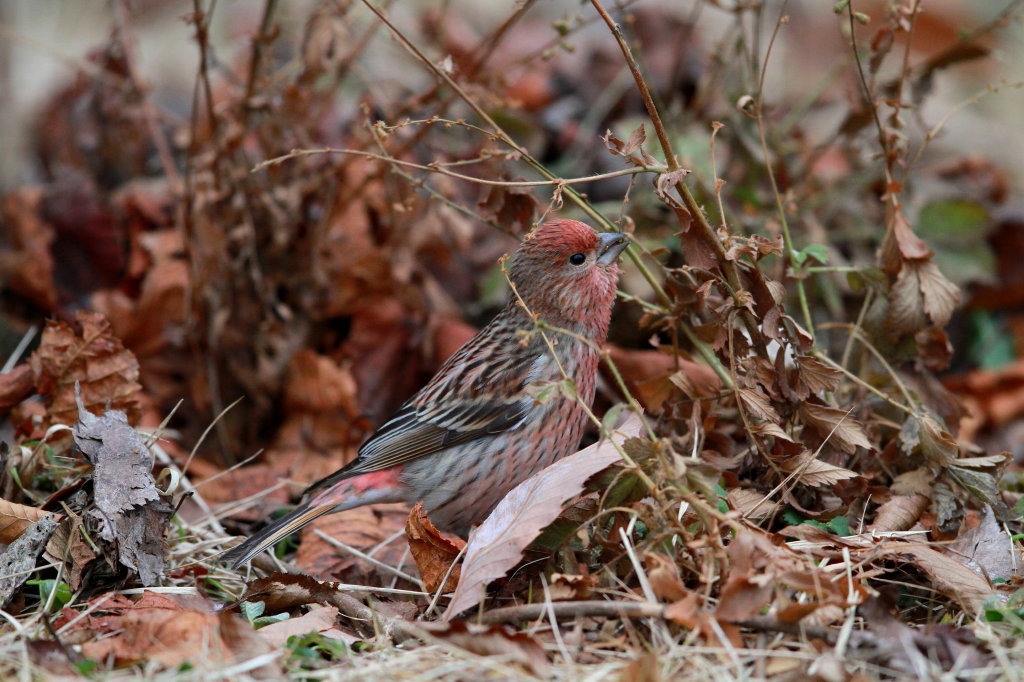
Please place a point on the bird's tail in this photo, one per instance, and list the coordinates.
(291, 522)
(355, 491)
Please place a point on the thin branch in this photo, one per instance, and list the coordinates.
(441, 169)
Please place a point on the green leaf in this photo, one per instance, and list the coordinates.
(252, 610)
(818, 252)
(60, 599)
(315, 647)
(86, 667)
(790, 516)
(267, 620)
(839, 525)
(1018, 508)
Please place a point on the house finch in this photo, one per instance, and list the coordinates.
(475, 431)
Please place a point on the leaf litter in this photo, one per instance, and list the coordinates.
(800, 498)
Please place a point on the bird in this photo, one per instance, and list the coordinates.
(481, 425)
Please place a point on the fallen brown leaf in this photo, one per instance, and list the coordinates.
(321, 620)
(15, 518)
(434, 553)
(987, 550)
(899, 513)
(835, 425)
(107, 373)
(663, 575)
(67, 545)
(752, 504)
(498, 543)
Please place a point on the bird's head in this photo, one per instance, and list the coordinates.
(566, 273)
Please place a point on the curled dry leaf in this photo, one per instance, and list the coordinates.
(15, 518)
(434, 553)
(132, 516)
(498, 543)
(107, 373)
(920, 294)
(566, 587)
(899, 513)
(513, 207)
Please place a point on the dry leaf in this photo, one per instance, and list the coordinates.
(818, 376)
(663, 575)
(815, 473)
(987, 550)
(131, 514)
(434, 553)
(940, 295)
(901, 512)
(564, 587)
(68, 545)
(18, 560)
(758, 404)
(498, 543)
(949, 576)
(316, 383)
(901, 244)
(919, 294)
(107, 373)
(915, 482)
(752, 504)
(835, 426)
(26, 266)
(321, 620)
(15, 518)
(156, 628)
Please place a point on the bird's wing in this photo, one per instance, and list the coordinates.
(417, 431)
(479, 391)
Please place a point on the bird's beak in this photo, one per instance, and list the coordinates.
(612, 244)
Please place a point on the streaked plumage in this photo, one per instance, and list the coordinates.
(474, 432)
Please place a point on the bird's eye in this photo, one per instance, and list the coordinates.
(577, 259)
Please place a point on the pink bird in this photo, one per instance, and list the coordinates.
(474, 431)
